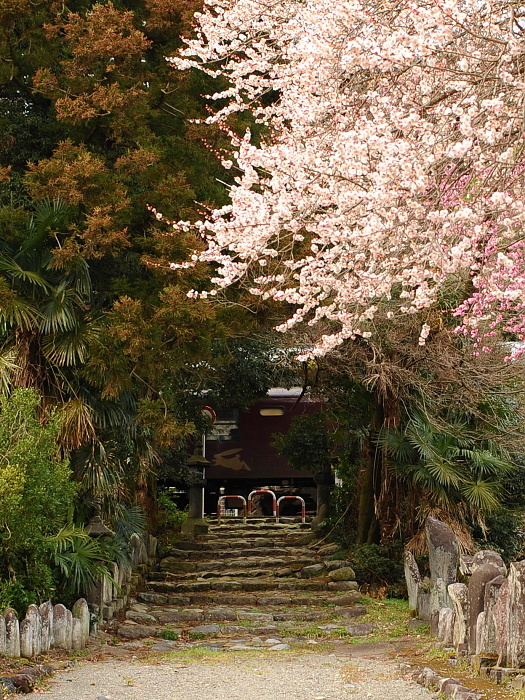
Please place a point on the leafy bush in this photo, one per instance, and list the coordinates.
(379, 567)
(505, 533)
(306, 445)
(36, 495)
(170, 516)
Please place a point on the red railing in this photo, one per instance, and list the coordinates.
(296, 498)
(271, 493)
(221, 508)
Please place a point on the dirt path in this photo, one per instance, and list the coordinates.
(356, 673)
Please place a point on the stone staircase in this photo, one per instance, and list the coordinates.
(245, 584)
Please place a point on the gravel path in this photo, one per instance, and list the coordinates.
(290, 677)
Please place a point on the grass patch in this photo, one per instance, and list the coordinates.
(169, 635)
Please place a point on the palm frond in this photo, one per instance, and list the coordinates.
(8, 369)
(77, 427)
(13, 270)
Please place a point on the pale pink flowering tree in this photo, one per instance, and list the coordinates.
(393, 161)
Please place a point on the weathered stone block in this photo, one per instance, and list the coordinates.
(516, 615)
(500, 618)
(458, 593)
(488, 556)
(482, 572)
(413, 579)
(446, 626)
(12, 634)
(46, 615)
(62, 627)
(487, 632)
(313, 570)
(345, 573)
(26, 639)
(2, 636)
(77, 634)
(80, 611)
(443, 552)
(337, 564)
(343, 586)
(131, 631)
(439, 598)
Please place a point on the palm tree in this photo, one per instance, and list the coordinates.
(452, 464)
(49, 325)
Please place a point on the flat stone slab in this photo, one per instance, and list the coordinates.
(343, 586)
(220, 614)
(168, 617)
(254, 616)
(134, 631)
(345, 573)
(209, 630)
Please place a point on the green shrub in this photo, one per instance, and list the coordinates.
(170, 516)
(36, 495)
(379, 567)
(505, 533)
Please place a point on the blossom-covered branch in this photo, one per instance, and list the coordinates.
(392, 163)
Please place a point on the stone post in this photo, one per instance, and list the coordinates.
(26, 638)
(12, 634)
(33, 614)
(413, 579)
(516, 616)
(62, 627)
(46, 614)
(81, 612)
(481, 576)
(195, 523)
(487, 636)
(458, 593)
(324, 481)
(443, 553)
(2, 636)
(500, 616)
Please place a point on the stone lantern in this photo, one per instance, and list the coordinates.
(99, 597)
(195, 523)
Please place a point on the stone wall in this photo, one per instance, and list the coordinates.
(54, 626)
(44, 627)
(110, 596)
(483, 614)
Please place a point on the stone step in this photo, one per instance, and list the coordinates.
(240, 584)
(308, 599)
(176, 566)
(238, 548)
(253, 527)
(263, 523)
(165, 615)
(237, 552)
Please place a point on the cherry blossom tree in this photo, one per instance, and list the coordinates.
(391, 166)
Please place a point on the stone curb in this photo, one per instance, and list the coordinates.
(449, 687)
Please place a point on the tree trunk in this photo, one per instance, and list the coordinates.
(387, 501)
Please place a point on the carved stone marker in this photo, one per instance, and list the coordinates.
(2, 636)
(487, 633)
(26, 638)
(516, 616)
(500, 618)
(482, 574)
(488, 556)
(12, 634)
(442, 551)
(413, 579)
(446, 626)
(81, 612)
(46, 615)
(458, 593)
(62, 627)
